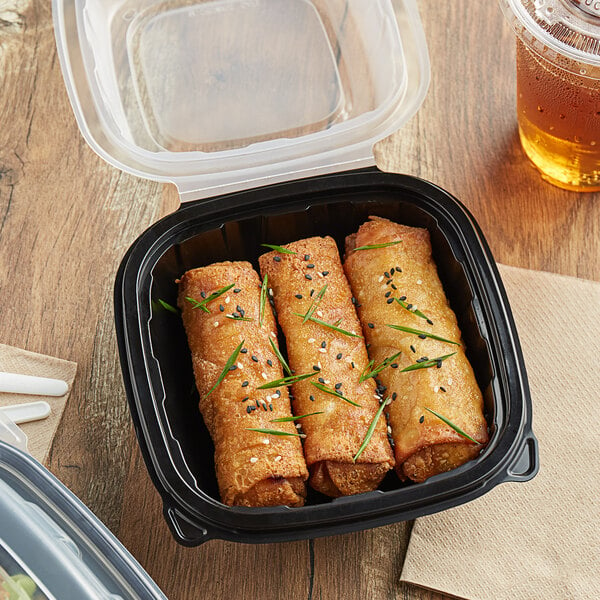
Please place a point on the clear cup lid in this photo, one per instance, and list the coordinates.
(558, 28)
(222, 95)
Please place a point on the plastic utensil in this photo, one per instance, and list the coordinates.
(29, 384)
(27, 412)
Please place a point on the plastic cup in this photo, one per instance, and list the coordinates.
(558, 88)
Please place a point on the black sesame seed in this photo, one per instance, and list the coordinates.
(237, 290)
(413, 348)
(254, 358)
(403, 298)
(430, 321)
(299, 296)
(270, 407)
(439, 364)
(367, 346)
(316, 368)
(310, 266)
(221, 307)
(422, 419)
(307, 276)
(442, 389)
(269, 362)
(312, 397)
(307, 257)
(409, 306)
(325, 273)
(392, 271)
(394, 287)
(264, 405)
(245, 383)
(277, 258)
(321, 380)
(239, 309)
(387, 275)
(388, 294)
(203, 294)
(394, 395)
(338, 386)
(353, 300)
(394, 365)
(235, 315)
(420, 360)
(244, 350)
(278, 393)
(249, 409)
(352, 365)
(389, 300)
(422, 336)
(388, 282)
(312, 292)
(323, 344)
(257, 404)
(233, 367)
(339, 356)
(371, 325)
(246, 398)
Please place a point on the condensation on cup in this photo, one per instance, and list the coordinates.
(558, 88)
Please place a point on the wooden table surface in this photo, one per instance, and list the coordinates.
(67, 218)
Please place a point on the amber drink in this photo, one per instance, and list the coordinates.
(558, 88)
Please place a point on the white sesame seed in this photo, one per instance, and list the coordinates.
(268, 398)
(311, 340)
(270, 291)
(264, 376)
(266, 441)
(327, 382)
(216, 324)
(319, 364)
(389, 429)
(380, 279)
(240, 366)
(227, 300)
(253, 459)
(319, 313)
(322, 350)
(376, 396)
(449, 380)
(273, 334)
(320, 274)
(419, 282)
(436, 389)
(277, 458)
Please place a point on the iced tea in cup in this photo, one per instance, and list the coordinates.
(558, 88)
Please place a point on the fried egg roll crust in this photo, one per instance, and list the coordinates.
(253, 469)
(423, 444)
(337, 361)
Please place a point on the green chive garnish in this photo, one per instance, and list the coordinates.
(386, 362)
(332, 392)
(230, 361)
(373, 246)
(285, 381)
(331, 326)
(280, 358)
(371, 429)
(279, 249)
(263, 300)
(414, 311)
(314, 304)
(168, 306)
(426, 364)
(424, 333)
(238, 318)
(284, 419)
(274, 432)
(455, 427)
(202, 304)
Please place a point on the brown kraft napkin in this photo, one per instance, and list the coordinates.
(39, 433)
(540, 539)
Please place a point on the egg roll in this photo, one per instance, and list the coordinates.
(424, 371)
(230, 333)
(309, 278)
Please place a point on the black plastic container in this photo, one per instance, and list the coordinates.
(158, 372)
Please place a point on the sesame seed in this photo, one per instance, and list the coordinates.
(381, 279)
(371, 325)
(316, 368)
(339, 356)
(254, 358)
(246, 398)
(203, 294)
(388, 282)
(257, 403)
(323, 344)
(403, 298)
(216, 324)
(277, 458)
(394, 395)
(240, 366)
(422, 418)
(264, 405)
(277, 258)
(249, 409)
(419, 282)
(388, 294)
(392, 271)
(352, 365)
(398, 269)
(353, 300)
(264, 376)
(394, 287)
(254, 460)
(299, 296)
(442, 388)
(413, 348)
(325, 273)
(449, 380)
(319, 313)
(269, 362)
(237, 290)
(310, 266)
(322, 350)
(311, 293)
(307, 276)
(321, 380)
(422, 336)
(311, 340)
(307, 257)
(389, 429)
(239, 309)
(436, 389)
(312, 397)
(270, 407)
(430, 321)
(270, 291)
(394, 365)
(387, 275)
(227, 300)
(266, 441)
(244, 350)
(245, 383)
(221, 307)
(338, 386)
(389, 300)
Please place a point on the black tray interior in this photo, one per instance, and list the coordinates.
(199, 241)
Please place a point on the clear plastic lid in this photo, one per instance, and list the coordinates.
(52, 547)
(558, 29)
(222, 95)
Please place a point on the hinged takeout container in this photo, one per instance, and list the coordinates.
(264, 114)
